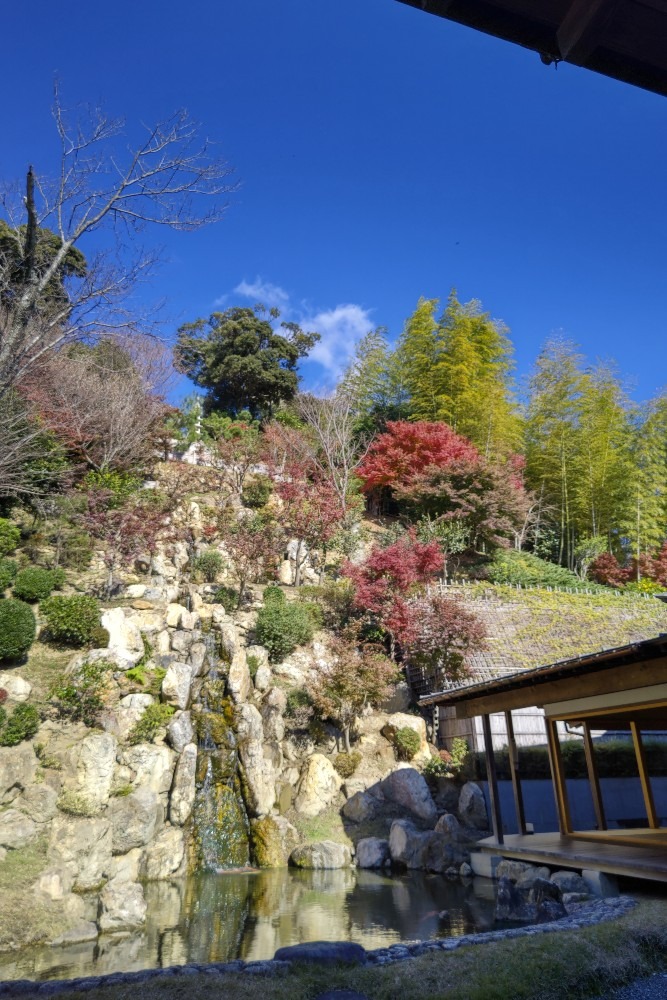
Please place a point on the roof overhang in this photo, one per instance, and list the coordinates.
(637, 665)
(624, 39)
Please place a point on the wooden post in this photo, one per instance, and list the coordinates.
(514, 771)
(558, 777)
(592, 768)
(496, 817)
(647, 791)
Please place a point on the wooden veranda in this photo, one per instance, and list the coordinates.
(624, 690)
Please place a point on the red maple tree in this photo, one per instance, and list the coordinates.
(407, 448)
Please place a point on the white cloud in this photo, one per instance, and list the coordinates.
(265, 292)
(341, 329)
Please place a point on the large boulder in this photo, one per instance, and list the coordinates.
(182, 795)
(325, 854)
(16, 687)
(122, 906)
(174, 614)
(176, 684)
(133, 820)
(89, 772)
(180, 731)
(119, 721)
(239, 683)
(16, 829)
(318, 786)
(18, 766)
(363, 806)
(153, 766)
(372, 853)
(258, 772)
(400, 720)
(124, 636)
(39, 802)
(165, 856)
(273, 840)
(407, 843)
(407, 788)
(569, 882)
(472, 807)
(84, 846)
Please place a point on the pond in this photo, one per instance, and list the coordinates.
(219, 917)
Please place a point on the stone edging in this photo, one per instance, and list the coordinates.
(582, 915)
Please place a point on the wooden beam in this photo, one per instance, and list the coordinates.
(558, 777)
(579, 32)
(514, 771)
(621, 678)
(492, 779)
(593, 777)
(644, 777)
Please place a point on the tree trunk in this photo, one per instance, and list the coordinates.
(346, 737)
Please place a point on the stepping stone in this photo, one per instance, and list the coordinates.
(323, 953)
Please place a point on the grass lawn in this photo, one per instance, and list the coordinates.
(573, 964)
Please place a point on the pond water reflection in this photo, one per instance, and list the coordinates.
(215, 918)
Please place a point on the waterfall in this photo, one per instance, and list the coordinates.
(220, 828)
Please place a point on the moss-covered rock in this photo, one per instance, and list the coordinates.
(273, 839)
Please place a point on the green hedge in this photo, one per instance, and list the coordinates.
(8, 569)
(35, 583)
(614, 758)
(72, 620)
(17, 628)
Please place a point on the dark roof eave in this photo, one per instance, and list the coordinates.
(553, 671)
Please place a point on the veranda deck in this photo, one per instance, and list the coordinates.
(631, 853)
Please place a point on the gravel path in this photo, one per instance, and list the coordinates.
(654, 988)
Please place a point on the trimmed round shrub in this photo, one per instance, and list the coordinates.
(71, 620)
(347, 763)
(99, 637)
(281, 627)
(274, 594)
(228, 597)
(10, 536)
(33, 583)
(22, 724)
(17, 628)
(407, 743)
(8, 570)
(256, 493)
(209, 564)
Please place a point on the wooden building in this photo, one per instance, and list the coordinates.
(623, 689)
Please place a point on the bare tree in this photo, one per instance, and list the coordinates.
(337, 452)
(103, 402)
(25, 470)
(50, 293)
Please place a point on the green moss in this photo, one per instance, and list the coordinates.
(267, 843)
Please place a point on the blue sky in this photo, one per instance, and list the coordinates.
(382, 154)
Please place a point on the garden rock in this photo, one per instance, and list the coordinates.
(318, 786)
(406, 787)
(274, 839)
(372, 852)
(120, 721)
(273, 721)
(569, 882)
(83, 845)
(180, 731)
(263, 678)
(323, 953)
(16, 829)
(181, 643)
(153, 766)
(133, 820)
(526, 879)
(325, 854)
(399, 700)
(407, 843)
(122, 906)
(362, 806)
(89, 772)
(18, 766)
(165, 856)
(258, 773)
(472, 807)
(54, 883)
(512, 903)
(176, 684)
(400, 720)
(16, 687)
(197, 658)
(124, 636)
(239, 683)
(173, 615)
(126, 867)
(182, 795)
(39, 802)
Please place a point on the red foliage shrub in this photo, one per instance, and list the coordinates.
(406, 449)
(436, 632)
(3, 696)
(607, 570)
(391, 573)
